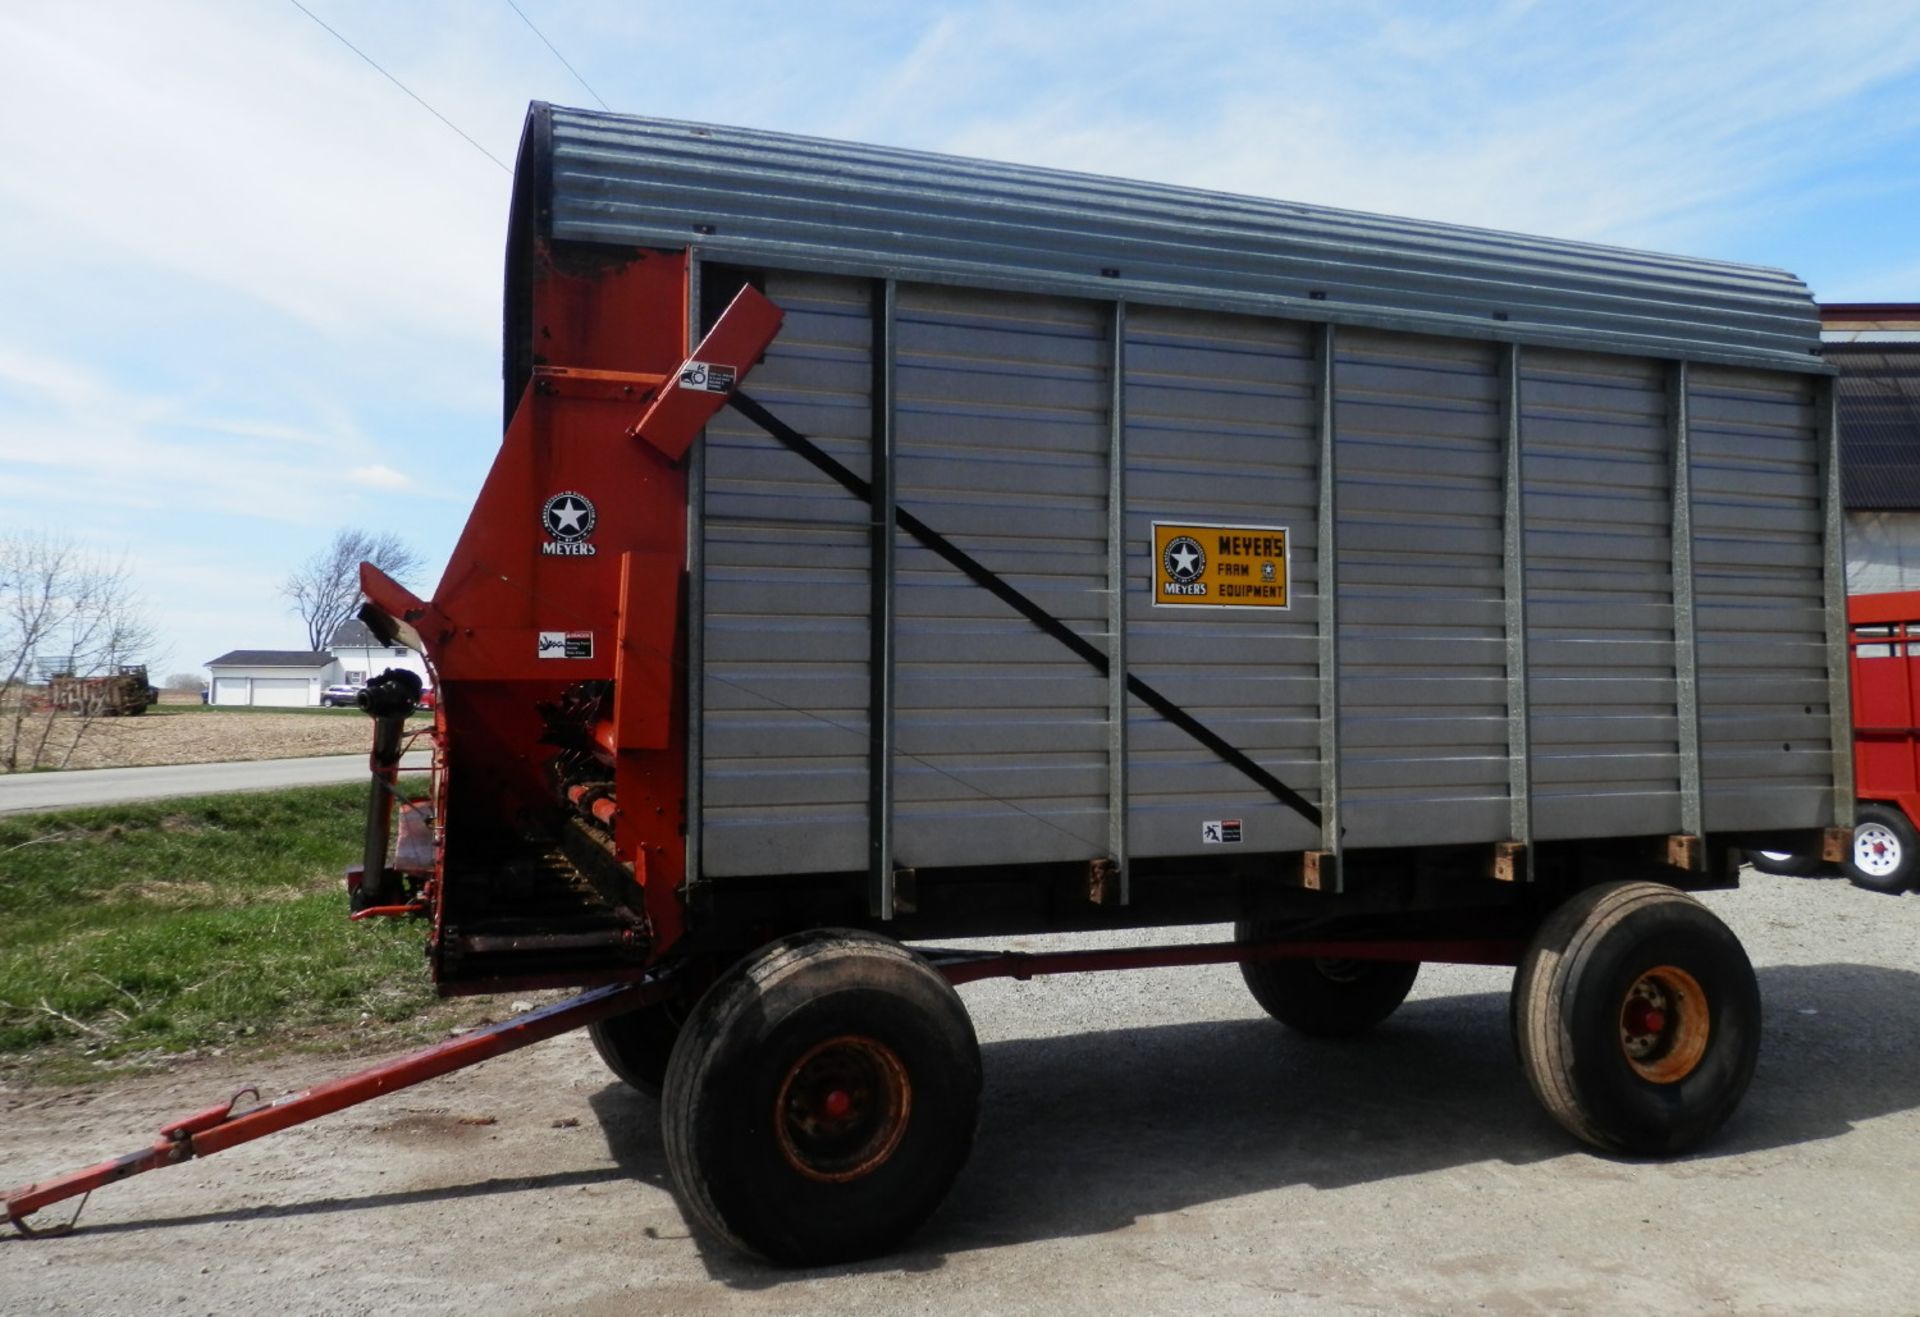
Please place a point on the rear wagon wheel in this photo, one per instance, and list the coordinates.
(1638, 1018)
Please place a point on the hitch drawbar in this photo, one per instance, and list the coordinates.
(221, 1127)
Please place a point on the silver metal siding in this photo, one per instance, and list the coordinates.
(1423, 682)
(1220, 428)
(784, 786)
(1005, 417)
(1600, 613)
(781, 201)
(1001, 419)
(1760, 590)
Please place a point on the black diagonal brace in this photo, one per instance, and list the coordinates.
(990, 581)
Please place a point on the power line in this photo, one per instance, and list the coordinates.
(401, 85)
(557, 55)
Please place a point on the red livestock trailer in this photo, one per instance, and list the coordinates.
(1883, 631)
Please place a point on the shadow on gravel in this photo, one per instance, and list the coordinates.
(359, 1203)
(1087, 1133)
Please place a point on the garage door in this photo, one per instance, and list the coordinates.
(229, 690)
(280, 691)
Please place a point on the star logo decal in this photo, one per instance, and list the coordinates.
(568, 516)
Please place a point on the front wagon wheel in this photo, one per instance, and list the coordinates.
(1325, 998)
(821, 1099)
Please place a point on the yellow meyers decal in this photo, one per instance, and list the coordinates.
(1198, 566)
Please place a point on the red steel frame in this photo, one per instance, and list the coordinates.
(218, 1128)
(612, 424)
(1882, 631)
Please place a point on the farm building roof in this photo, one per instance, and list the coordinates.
(270, 658)
(353, 634)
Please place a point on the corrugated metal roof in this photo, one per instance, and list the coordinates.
(776, 200)
(1879, 400)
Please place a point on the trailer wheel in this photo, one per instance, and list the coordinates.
(821, 1099)
(1882, 858)
(1785, 863)
(1638, 1018)
(1325, 998)
(636, 1045)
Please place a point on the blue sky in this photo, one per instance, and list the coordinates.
(251, 291)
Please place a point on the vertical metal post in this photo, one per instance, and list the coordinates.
(1685, 621)
(1117, 604)
(696, 607)
(389, 730)
(880, 611)
(1834, 563)
(1327, 585)
(1513, 544)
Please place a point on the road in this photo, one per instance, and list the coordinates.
(1148, 1143)
(31, 792)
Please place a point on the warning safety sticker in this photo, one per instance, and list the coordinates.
(566, 645)
(708, 375)
(1202, 566)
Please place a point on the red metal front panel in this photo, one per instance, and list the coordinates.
(575, 519)
(1886, 695)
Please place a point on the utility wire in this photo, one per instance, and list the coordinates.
(557, 55)
(401, 85)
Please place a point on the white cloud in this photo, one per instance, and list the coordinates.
(378, 476)
(241, 146)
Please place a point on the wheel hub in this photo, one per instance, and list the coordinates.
(1875, 849)
(1664, 1024)
(842, 1109)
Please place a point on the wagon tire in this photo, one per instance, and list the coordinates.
(637, 1045)
(1882, 856)
(1786, 864)
(1638, 1019)
(821, 1099)
(1325, 998)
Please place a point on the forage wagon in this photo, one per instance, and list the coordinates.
(886, 547)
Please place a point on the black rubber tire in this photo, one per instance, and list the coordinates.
(637, 1045)
(721, 1113)
(1325, 998)
(1895, 836)
(1568, 997)
(1786, 864)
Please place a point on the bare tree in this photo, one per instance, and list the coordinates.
(185, 681)
(325, 589)
(61, 608)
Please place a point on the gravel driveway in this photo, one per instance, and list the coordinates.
(1148, 1143)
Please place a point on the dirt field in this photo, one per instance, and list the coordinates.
(183, 733)
(1148, 1143)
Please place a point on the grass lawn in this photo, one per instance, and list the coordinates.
(128, 932)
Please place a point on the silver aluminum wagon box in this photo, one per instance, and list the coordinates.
(1550, 529)
(1083, 553)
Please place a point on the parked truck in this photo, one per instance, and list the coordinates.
(886, 548)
